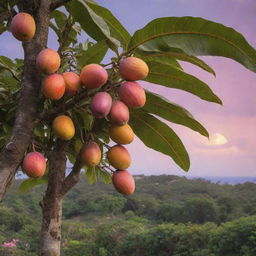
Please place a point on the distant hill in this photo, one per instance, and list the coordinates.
(167, 215)
(232, 180)
(155, 196)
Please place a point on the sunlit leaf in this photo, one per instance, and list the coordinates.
(176, 54)
(28, 184)
(116, 29)
(195, 36)
(168, 76)
(93, 54)
(91, 23)
(161, 107)
(159, 136)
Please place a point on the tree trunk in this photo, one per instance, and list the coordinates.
(28, 106)
(52, 203)
(51, 229)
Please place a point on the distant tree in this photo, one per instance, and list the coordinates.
(200, 210)
(235, 238)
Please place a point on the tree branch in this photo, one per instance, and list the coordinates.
(72, 179)
(50, 113)
(58, 3)
(64, 35)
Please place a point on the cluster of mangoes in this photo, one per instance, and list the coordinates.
(128, 94)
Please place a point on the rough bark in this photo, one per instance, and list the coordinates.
(27, 111)
(50, 242)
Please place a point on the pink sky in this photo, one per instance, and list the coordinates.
(235, 85)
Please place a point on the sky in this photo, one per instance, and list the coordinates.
(231, 150)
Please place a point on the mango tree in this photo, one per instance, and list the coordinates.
(67, 103)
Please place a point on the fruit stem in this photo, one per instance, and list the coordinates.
(33, 147)
(108, 64)
(106, 145)
(107, 167)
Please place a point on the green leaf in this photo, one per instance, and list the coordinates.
(106, 176)
(74, 148)
(71, 157)
(95, 172)
(173, 78)
(30, 183)
(158, 57)
(91, 23)
(90, 173)
(7, 81)
(195, 36)
(161, 107)
(7, 64)
(177, 54)
(93, 54)
(59, 17)
(39, 131)
(101, 129)
(55, 29)
(159, 136)
(116, 28)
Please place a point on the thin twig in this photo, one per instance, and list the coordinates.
(48, 114)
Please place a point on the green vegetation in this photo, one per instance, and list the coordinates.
(168, 215)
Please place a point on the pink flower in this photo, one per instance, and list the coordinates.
(9, 245)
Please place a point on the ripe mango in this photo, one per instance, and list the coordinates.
(132, 94)
(91, 154)
(53, 86)
(101, 104)
(119, 157)
(123, 182)
(34, 164)
(121, 134)
(93, 76)
(133, 68)
(72, 83)
(119, 113)
(63, 127)
(48, 61)
(23, 26)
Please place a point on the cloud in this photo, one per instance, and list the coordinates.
(217, 139)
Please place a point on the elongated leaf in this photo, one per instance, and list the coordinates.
(105, 176)
(91, 23)
(159, 136)
(55, 29)
(59, 17)
(161, 107)
(195, 36)
(95, 173)
(8, 64)
(93, 54)
(158, 57)
(30, 183)
(177, 54)
(90, 173)
(171, 77)
(116, 28)
(7, 81)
